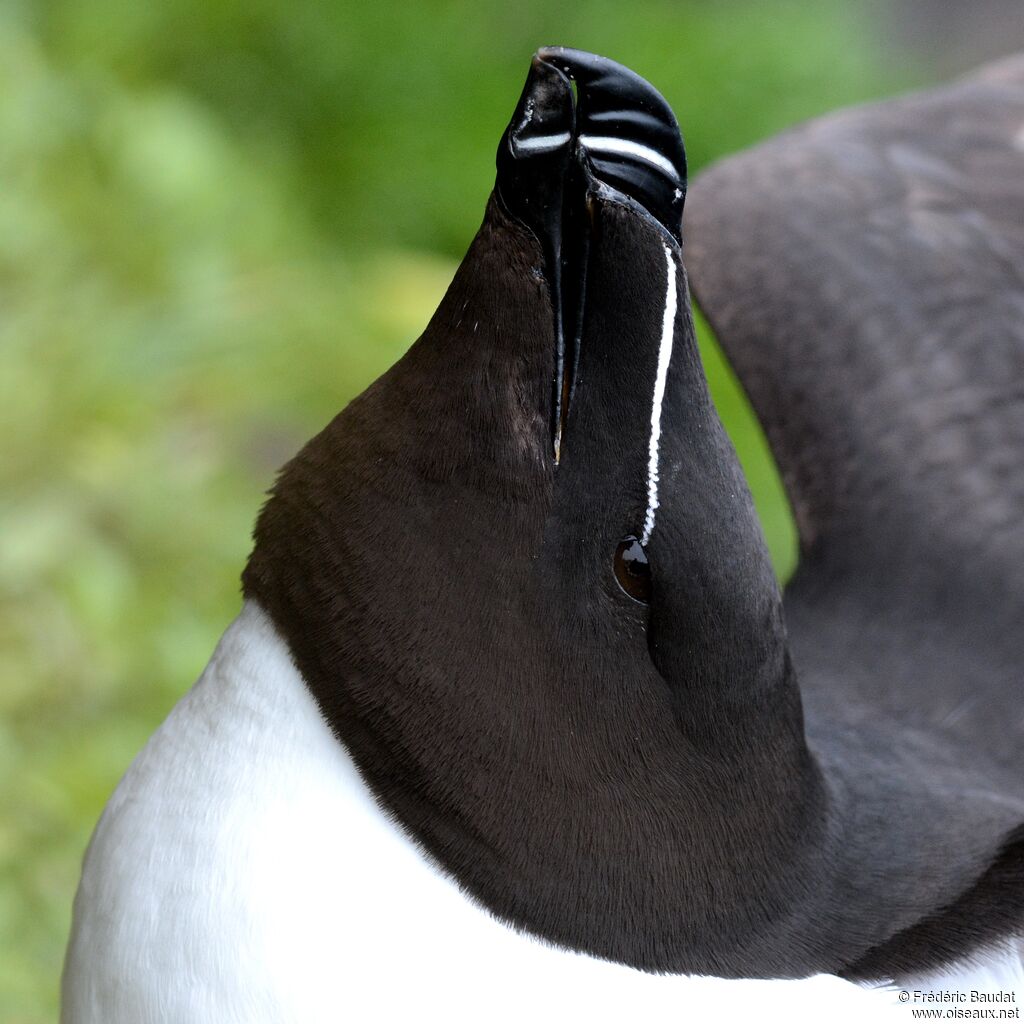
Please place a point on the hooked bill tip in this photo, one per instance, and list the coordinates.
(618, 127)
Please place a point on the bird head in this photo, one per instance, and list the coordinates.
(525, 562)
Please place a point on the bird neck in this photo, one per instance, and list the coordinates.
(577, 765)
(717, 631)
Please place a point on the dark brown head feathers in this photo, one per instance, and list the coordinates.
(687, 785)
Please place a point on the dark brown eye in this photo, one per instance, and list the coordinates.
(632, 570)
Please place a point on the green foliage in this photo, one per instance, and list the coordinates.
(218, 222)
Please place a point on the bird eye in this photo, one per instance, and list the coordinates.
(632, 571)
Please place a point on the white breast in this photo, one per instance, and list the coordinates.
(243, 872)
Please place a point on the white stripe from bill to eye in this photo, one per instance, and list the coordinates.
(541, 143)
(624, 147)
(664, 358)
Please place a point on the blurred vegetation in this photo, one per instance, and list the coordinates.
(218, 222)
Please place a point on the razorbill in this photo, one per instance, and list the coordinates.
(510, 723)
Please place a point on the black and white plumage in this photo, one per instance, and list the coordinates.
(512, 608)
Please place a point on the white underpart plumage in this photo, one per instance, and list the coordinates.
(242, 872)
(661, 378)
(627, 147)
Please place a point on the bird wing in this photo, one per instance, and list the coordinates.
(864, 274)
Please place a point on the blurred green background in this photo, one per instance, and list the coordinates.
(218, 222)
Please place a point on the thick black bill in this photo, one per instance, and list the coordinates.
(627, 132)
(617, 137)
